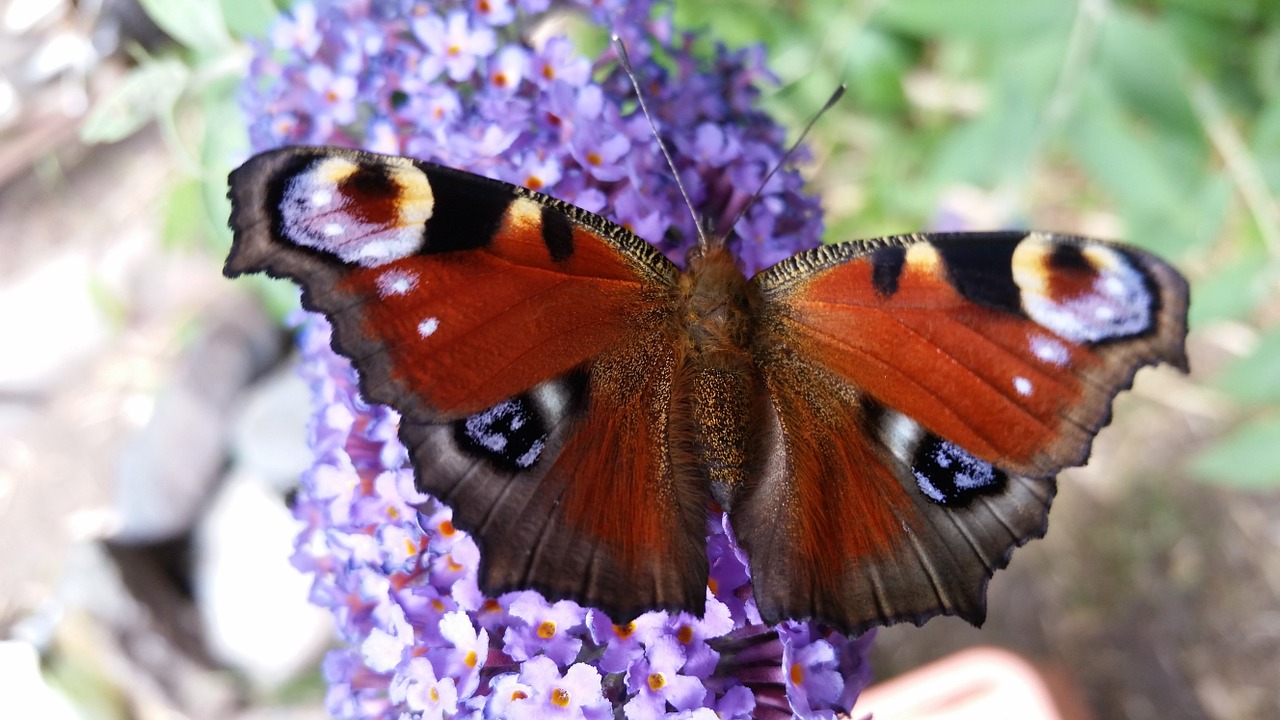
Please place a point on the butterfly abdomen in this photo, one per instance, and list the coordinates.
(717, 385)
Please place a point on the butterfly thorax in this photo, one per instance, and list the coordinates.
(716, 383)
(717, 300)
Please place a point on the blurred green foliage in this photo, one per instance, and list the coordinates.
(190, 91)
(1154, 120)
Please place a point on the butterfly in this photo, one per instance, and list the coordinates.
(883, 420)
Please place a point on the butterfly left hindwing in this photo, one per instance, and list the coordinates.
(524, 342)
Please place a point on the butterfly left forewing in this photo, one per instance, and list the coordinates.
(451, 291)
(965, 371)
(525, 343)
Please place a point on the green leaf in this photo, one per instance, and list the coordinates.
(148, 91)
(874, 65)
(281, 299)
(1147, 71)
(183, 213)
(1237, 10)
(196, 24)
(1231, 292)
(1244, 459)
(1265, 142)
(225, 140)
(1143, 175)
(1266, 64)
(1254, 379)
(1021, 21)
(249, 18)
(997, 147)
(1213, 209)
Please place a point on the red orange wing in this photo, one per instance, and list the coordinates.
(925, 391)
(521, 339)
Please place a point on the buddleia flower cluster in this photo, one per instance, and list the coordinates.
(483, 86)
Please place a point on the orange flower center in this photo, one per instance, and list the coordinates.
(560, 697)
(547, 630)
(657, 681)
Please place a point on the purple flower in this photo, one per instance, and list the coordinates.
(298, 32)
(812, 679)
(417, 686)
(576, 694)
(336, 93)
(453, 42)
(624, 644)
(694, 635)
(494, 12)
(508, 69)
(469, 651)
(547, 629)
(655, 681)
(598, 151)
(456, 82)
(558, 61)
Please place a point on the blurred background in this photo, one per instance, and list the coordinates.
(151, 427)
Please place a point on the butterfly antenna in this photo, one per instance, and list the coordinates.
(625, 61)
(831, 101)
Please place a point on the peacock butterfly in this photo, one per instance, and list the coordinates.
(882, 419)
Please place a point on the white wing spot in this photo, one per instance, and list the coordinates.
(1023, 386)
(530, 456)
(901, 434)
(1104, 313)
(333, 229)
(396, 282)
(1050, 350)
(320, 198)
(428, 326)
